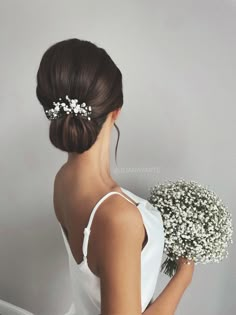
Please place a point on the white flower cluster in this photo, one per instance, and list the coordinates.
(197, 225)
(72, 107)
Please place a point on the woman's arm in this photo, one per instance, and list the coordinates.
(167, 302)
(118, 251)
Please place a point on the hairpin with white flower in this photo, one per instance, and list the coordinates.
(72, 107)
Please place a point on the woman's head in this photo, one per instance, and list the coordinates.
(83, 71)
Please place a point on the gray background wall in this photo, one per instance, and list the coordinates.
(178, 64)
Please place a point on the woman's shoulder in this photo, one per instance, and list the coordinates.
(120, 228)
(116, 211)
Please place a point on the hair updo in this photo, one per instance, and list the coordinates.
(84, 71)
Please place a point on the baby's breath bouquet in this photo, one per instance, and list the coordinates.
(197, 225)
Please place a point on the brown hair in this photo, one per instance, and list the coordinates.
(82, 70)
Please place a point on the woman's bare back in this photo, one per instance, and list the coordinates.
(73, 204)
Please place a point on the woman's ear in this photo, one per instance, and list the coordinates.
(116, 113)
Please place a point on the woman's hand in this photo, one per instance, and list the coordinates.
(185, 268)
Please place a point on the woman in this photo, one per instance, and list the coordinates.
(115, 255)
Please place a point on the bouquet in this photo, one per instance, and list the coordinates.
(197, 225)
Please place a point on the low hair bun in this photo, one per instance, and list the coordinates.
(73, 134)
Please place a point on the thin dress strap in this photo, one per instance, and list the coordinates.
(88, 227)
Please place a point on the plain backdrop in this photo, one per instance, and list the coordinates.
(178, 121)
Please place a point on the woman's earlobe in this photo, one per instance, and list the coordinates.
(118, 112)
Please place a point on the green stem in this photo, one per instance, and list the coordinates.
(169, 266)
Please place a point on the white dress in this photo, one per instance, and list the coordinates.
(86, 285)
